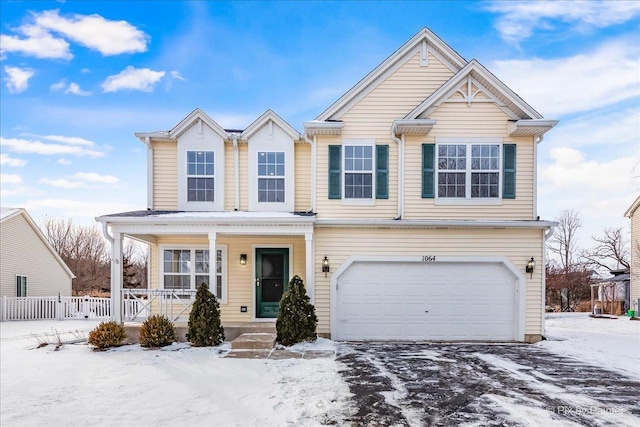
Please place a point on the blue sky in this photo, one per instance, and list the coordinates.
(79, 78)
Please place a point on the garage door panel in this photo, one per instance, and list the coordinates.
(420, 301)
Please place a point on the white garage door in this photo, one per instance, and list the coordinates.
(426, 301)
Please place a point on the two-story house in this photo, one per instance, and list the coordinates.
(408, 207)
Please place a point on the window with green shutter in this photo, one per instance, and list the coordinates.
(382, 171)
(509, 171)
(335, 172)
(428, 169)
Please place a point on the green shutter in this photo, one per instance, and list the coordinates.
(509, 171)
(428, 170)
(382, 171)
(335, 173)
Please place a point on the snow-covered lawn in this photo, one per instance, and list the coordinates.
(178, 385)
(609, 343)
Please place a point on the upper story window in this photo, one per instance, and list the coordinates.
(271, 177)
(468, 171)
(358, 172)
(200, 176)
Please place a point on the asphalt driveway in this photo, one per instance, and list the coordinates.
(433, 384)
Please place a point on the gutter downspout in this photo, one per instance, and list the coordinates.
(236, 162)
(400, 142)
(537, 140)
(147, 142)
(314, 149)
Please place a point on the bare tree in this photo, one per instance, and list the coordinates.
(611, 251)
(563, 242)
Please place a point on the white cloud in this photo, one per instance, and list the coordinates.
(92, 31)
(71, 88)
(7, 160)
(577, 83)
(38, 147)
(81, 180)
(520, 19)
(72, 140)
(176, 75)
(74, 208)
(8, 178)
(132, 78)
(17, 78)
(64, 161)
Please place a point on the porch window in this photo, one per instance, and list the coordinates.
(271, 177)
(200, 176)
(21, 286)
(187, 269)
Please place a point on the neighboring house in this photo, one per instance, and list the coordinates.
(29, 266)
(408, 207)
(634, 215)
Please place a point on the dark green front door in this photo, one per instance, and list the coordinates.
(272, 278)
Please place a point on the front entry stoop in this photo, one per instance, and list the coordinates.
(254, 341)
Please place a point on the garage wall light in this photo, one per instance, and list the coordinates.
(325, 266)
(531, 265)
(243, 259)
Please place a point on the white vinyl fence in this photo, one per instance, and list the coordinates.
(54, 308)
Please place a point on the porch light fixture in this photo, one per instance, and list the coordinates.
(325, 266)
(531, 265)
(243, 259)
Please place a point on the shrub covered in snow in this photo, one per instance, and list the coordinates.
(297, 320)
(157, 331)
(204, 327)
(107, 334)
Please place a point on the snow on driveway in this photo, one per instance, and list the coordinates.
(178, 385)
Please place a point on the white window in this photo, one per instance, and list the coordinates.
(200, 176)
(271, 177)
(21, 286)
(358, 171)
(468, 171)
(187, 269)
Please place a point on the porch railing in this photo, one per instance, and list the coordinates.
(139, 304)
(54, 308)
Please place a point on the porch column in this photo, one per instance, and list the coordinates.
(310, 280)
(116, 277)
(213, 256)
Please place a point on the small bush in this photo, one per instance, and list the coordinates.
(107, 334)
(205, 328)
(157, 331)
(297, 320)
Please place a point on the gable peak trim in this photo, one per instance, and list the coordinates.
(268, 118)
(197, 117)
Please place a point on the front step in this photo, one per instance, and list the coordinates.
(254, 341)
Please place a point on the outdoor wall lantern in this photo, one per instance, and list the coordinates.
(243, 259)
(325, 266)
(531, 265)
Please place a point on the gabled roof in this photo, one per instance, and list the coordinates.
(193, 118)
(8, 213)
(482, 77)
(634, 206)
(264, 119)
(422, 40)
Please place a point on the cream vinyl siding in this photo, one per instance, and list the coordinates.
(635, 256)
(243, 153)
(400, 93)
(520, 208)
(23, 253)
(239, 277)
(165, 175)
(302, 177)
(379, 208)
(479, 119)
(229, 177)
(517, 245)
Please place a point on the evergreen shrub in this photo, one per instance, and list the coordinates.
(205, 328)
(157, 331)
(297, 320)
(107, 334)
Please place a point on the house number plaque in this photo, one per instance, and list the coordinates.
(428, 258)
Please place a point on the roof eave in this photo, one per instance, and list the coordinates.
(534, 127)
(314, 128)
